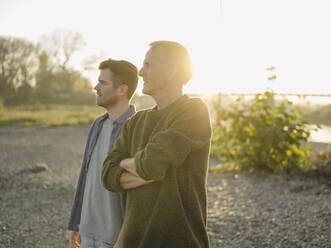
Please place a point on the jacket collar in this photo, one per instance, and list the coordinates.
(120, 120)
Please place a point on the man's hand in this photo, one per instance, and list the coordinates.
(119, 242)
(75, 239)
(129, 181)
(129, 165)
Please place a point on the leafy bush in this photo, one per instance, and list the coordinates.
(261, 133)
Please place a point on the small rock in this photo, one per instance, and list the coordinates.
(300, 188)
(38, 168)
(297, 189)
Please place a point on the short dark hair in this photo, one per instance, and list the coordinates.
(124, 73)
(177, 55)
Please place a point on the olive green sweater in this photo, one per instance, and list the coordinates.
(170, 146)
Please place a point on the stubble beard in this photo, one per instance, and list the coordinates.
(109, 103)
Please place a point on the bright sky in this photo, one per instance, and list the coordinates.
(231, 42)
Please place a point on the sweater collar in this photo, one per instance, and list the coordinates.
(170, 106)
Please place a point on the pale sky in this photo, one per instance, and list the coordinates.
(231, 42)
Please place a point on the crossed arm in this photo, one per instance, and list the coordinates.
(166, 148)
(130, 179)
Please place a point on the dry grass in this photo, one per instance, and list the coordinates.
(48, 115)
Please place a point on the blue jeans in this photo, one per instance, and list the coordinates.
(93, 243)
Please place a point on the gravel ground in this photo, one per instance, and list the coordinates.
(39, 169)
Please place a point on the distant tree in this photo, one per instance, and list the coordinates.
(49, 87)
(18, 63)
(46, 86)
(60, 46)
(24, 94)
(322, 115)
(43, 72)
(81, 83)
(56, 75)
(91, 62)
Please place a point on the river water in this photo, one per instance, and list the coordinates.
(323, 135)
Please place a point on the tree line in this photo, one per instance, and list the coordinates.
(43, 73)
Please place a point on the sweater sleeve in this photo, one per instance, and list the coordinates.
(111, 170)
(189, 131)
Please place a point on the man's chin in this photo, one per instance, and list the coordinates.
(99, 103)
(146, 91)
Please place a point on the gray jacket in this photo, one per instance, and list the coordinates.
(92, 138)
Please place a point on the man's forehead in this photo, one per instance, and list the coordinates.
(105, 74)
(154, 54)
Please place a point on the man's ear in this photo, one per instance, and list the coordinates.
(123, 89)
(172, 73)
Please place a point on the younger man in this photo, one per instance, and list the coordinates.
(97, 214)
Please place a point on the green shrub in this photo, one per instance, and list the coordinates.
(261, 133)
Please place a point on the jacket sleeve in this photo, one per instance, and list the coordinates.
(111, 170)
(189, 131)
(76, 209)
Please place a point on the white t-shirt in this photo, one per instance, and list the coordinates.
(101, 216)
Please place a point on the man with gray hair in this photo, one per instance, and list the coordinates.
(167, 147)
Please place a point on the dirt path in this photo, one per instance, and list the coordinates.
(245, 209)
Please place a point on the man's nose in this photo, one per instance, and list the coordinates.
(141, 72)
